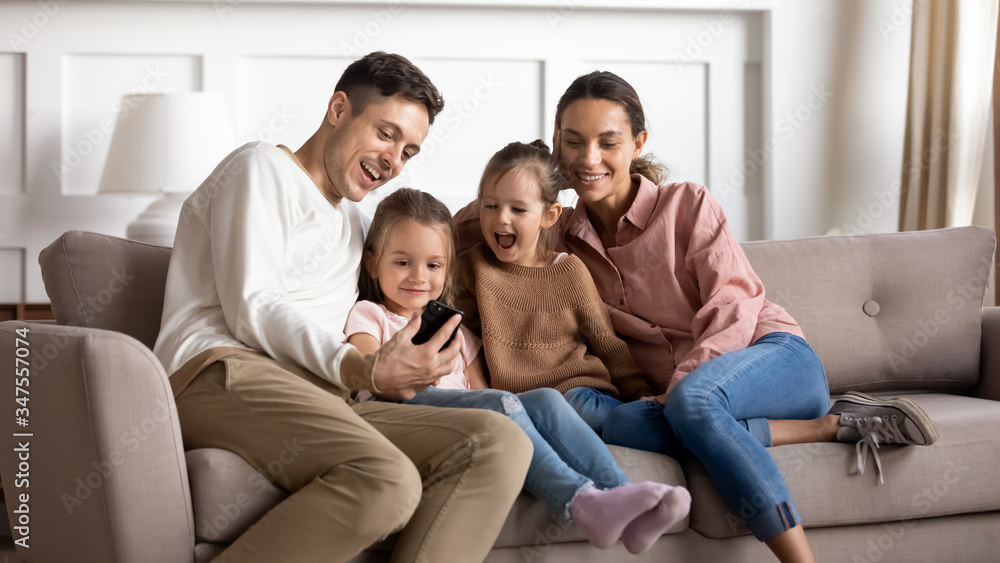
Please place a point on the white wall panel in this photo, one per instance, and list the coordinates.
(11, 123)
(12, 270)
(501, 70)
(675, 99)
(283, 98)
(92, 89)
(488, 103)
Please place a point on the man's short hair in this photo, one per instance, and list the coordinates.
(387, 74)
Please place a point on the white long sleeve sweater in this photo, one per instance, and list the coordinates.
(262, 260)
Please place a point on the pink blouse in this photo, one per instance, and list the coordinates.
(677, 285)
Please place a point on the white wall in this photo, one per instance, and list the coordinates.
(501, 69)
(720, 79)
(840, 167)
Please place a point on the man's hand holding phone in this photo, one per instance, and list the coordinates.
(404, 368)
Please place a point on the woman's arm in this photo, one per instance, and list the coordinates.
(731, 293)
(599, 334)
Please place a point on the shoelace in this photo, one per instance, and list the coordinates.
(871, 430)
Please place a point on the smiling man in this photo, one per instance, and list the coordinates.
(262, 276)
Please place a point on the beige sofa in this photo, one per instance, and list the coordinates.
(896, 313)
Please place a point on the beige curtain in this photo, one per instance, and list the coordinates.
(952, 56)
(996, 140)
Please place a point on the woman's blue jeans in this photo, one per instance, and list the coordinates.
(719, 414)
(567, 456)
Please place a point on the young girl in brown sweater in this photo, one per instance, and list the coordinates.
(537, 311)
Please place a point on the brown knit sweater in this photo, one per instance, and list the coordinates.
(544, 327)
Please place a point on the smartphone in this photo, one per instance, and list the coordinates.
(432, 319)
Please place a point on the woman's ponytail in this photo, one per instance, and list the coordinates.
(648, 166)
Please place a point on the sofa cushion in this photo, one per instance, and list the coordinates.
(106, 282)
(897, 311)
(532, 525)
(227, 494)
(956, 475)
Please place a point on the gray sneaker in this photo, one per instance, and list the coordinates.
(869, 422)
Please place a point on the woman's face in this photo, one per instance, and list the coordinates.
(595, 148)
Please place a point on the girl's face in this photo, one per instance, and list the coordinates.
(413, 267)
(596, 147)
(512, 215)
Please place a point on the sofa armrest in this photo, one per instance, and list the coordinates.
(100, 458)
(988, 386)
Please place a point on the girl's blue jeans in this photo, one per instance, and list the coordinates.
(567, 456)
(719, 414)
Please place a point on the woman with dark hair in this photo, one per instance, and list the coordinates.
(734, 371)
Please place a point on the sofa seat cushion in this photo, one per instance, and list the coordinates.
(532, 525)
(227, 494)
(956, 475)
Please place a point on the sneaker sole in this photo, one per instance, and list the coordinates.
(907, 406)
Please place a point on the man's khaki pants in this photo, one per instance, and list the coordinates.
(448, 475)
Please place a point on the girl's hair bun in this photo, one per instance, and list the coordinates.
(540, 144)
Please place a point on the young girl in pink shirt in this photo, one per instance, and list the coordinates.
(409, 259)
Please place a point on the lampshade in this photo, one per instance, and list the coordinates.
(166, 143)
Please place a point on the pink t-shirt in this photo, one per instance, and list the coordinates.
(371, 318)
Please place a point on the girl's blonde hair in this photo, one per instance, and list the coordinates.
(536, 159)
(407, 204)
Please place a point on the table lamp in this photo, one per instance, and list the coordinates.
(165, 144)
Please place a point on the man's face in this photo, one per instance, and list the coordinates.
(366, 151)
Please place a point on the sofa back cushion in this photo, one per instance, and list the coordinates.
(106, 282)
(898, 311)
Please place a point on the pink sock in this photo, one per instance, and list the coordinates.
(640, 534)
(603, 515)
